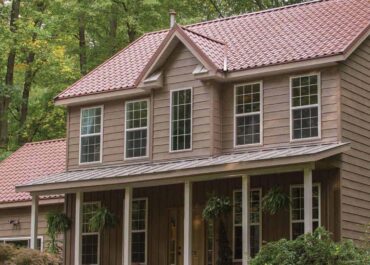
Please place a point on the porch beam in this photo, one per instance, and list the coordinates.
(34, 220)
(78, 228)
(188, 217)
(308, 200)
(245, 218)
(127, 226)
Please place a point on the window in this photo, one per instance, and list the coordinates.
(139, 233)
(181, 108)
(90, 239)
(297, 209)
(248, 129)
(255, 223)
(91, 135)
(136, 126)
(210, 243)
(22, 242)
(305, 107)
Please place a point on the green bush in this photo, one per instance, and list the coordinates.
(10, 255)
(312, 249)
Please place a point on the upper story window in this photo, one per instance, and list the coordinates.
(136, 129)
(91, 134)
(248, 99)
(305, 107)
(181, 115)
(297, 209)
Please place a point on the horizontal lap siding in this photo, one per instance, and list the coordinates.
(178, 74)
(276, 111)
(23, 214)
(355, 119)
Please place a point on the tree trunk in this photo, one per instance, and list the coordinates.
(82, 43)
(9, 78)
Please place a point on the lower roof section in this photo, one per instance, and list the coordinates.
(246, 162)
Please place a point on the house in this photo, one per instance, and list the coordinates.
(232, 107)
(30, 162)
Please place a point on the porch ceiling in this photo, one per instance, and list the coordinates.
(250, 162)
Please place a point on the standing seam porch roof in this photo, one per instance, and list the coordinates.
(170, 166)
(293, 33)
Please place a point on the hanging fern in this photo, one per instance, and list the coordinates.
(102, 218)
(275, 200)
(57, 223)
(216, 207)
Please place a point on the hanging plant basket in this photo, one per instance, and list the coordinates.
(57, 223)
(275, 200)
(216, 207)
(102, 219)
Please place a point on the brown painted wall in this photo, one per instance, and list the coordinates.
(163, 199)
(355, 123)
(23, 214)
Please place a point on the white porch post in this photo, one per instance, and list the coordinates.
(127, 227)
(308, 200)
(34, 220)
(245, 218)
(188, 208)
(78, 228)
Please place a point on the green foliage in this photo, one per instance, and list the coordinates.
(275, 200)
(102, 218)
(10, 255)
(57, 223)
(216, 207)
(312, 249)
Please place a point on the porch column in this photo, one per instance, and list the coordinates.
(78, 228)
(245, 218)
(308, 200)
(188, 208)
(127, 227)
(34, 220)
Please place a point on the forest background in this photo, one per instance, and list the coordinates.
(46, 45)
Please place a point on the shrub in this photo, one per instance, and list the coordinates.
(312, 249)
(10, 255)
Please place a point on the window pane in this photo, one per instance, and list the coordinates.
(138, 247)
(90, 148)
(91, 121)
(255, 239)
(304, 90)
(238, 242)
(90, 248)
(181, 120)
(248, 129)
(305, 123)
(139, 212)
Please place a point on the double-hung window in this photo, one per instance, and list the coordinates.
(139, 231)
(90, 239)
(91, 134)
(305, 107)
(255, 216)
(136, 129)
(297, 209)
(181, 123)
(248, 114)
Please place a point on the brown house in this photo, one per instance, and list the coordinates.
(30, 162)
(232, 107)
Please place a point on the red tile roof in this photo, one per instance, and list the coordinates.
(28, 163)
(293, 33)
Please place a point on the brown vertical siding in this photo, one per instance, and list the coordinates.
(355, 122)
(23, 214)
(276, 111)
(178, 74)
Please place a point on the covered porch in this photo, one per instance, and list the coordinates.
(160, 219)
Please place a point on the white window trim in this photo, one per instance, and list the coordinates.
(249, 114)
(92, 233)
(92, 134)
(260, 224)
(191, 120)
(145, 230)
(3, 239)
(290, 208)
(318, 105)
(135, 129)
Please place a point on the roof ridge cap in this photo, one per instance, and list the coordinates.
(203, 36)
(46, 141)
(269, 10)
